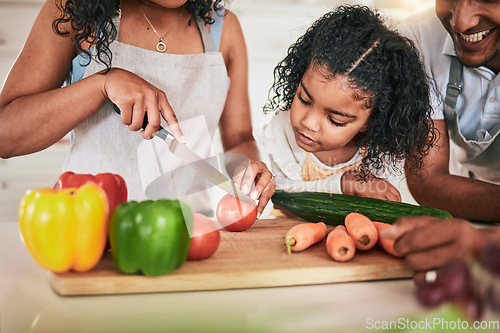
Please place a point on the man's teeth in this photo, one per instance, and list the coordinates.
(477, 37)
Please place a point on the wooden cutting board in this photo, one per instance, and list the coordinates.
(253, 258)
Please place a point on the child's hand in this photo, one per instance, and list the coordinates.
(374, 188)
(133, 96)
(255, 179)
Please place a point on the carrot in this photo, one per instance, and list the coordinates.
(362, 231)
(386, 244)
(339, 244)
(304, 235)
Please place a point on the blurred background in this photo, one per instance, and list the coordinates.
(269, 28)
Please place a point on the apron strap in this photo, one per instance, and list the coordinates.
(454, 88)
(205, 36)
(216, 27)
(494, 131)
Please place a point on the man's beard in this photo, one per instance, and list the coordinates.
(484, 63)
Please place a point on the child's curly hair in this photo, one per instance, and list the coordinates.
(92, 22)
(354, 42)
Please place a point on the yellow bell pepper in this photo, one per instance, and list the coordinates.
(65, 229)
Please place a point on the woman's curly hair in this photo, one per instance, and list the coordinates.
(92, 22)
(353, 41)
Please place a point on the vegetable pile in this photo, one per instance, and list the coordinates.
(67, 227)
(359, 233)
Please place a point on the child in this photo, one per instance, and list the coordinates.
(358, 103)
(142, 55)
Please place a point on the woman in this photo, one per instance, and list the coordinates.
(156, 56)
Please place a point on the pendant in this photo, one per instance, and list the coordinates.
(161, 47)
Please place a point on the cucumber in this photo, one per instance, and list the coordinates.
(332, 208)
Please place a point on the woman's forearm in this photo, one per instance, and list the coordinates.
(32, 123)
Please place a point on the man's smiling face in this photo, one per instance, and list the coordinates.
(474, 28)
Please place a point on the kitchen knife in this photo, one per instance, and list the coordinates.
(200, 165)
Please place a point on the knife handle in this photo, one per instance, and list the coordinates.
(144, 122)
(162, 133)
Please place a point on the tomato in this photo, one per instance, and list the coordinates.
(234, 214)
(205, 238)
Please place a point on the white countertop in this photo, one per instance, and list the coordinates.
(28, 304)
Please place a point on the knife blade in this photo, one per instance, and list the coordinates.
(200, 165)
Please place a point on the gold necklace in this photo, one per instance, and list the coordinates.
(161, 46)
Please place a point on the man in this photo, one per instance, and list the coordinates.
(460, 46)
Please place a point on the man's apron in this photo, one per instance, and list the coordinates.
(196, 86)
(480, 160)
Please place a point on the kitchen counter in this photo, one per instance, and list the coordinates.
(28, 304)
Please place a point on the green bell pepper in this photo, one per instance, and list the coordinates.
(151, 237)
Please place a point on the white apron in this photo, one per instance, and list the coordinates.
(196, 86)
(480, 160)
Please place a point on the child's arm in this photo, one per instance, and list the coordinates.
(374, 188)
(236, 122)
(344, 183)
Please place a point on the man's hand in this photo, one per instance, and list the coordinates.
(429, 243)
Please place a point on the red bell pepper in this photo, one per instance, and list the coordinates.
(114, 185)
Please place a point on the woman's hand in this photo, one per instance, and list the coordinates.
(255, 180)
(134, 97)
(374, 188)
